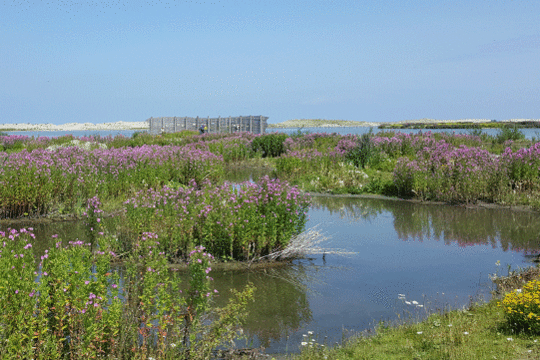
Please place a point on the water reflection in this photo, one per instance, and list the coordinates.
(44, 230)
(281, 304)
(517, 231)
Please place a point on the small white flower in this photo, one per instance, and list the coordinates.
(420, 305)
(466, 333)
(419, 332)
(310, 332)
(401, 295)
(518, 291)
(173, 345)
(415, 302)
(449, 325)
(535, 340)
(408, 302)
(303, 343)
(509, 339)
(530, 351)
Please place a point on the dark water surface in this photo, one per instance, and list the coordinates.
(436, 255)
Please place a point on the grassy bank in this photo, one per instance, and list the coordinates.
(479, 331)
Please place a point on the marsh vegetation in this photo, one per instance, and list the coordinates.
(176, 206)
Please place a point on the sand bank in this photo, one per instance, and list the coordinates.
(120, 125)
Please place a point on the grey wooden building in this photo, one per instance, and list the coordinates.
(254, 124)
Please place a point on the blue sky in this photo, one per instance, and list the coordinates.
(107, 61)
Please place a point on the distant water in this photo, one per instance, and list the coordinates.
(78, 133)
(529, 133)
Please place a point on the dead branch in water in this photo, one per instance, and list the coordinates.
(306, 243)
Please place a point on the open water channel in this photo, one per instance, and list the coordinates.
(437, 255)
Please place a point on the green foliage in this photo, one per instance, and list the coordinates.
(361, 155)
(506, 133)
(286, 167)
(74, 305)
(61, 140)
(475, 131)
(233, 150)
(298, 133)
(242, 223)
(380, 183)
(271, 145)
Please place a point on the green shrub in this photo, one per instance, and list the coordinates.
(361, 155)
(522, 308)
(509, 133)
(270, 145)
(298, 133)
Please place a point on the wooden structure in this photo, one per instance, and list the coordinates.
(254, 124)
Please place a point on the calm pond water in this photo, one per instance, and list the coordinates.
(437, 255)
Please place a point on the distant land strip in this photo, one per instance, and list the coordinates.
(420, 123)
(297, 123)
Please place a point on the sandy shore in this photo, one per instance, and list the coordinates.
(346, 123)
(120, 125)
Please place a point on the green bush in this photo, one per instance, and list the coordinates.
(270, 145)
(361, 155)
(509, 133)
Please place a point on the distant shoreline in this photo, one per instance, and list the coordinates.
(120, 125)
(405, 124)
(291, 124)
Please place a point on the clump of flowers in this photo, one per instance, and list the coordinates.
(522, 308)
(310, 347)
